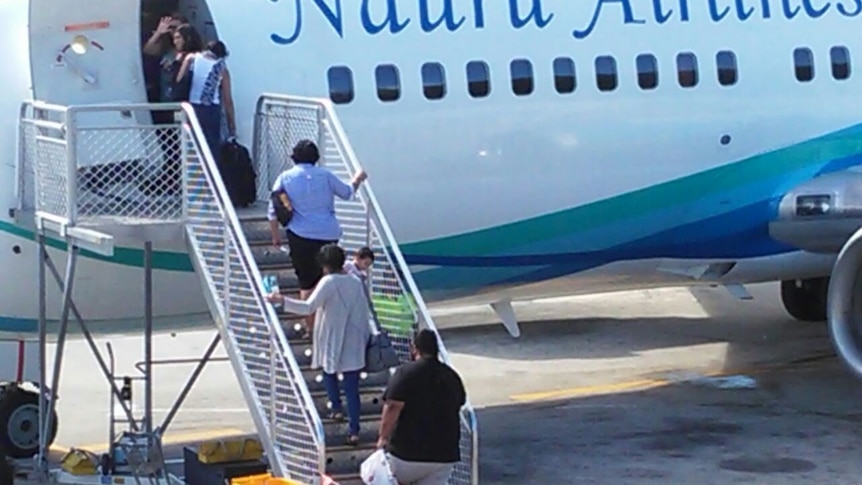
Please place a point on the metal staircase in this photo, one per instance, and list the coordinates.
(280, 122)
(94, 181)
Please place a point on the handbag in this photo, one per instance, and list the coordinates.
(375, 470)
(380, 355)
(282, 213)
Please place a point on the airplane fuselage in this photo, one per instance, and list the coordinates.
(537, 148)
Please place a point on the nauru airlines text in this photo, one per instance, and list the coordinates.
(384, 16)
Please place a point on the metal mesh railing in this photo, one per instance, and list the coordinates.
(286, 413)
(97, 162)
(280, 122)
(43, 154)
(133, 172)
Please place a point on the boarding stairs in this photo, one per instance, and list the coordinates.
(83, 177)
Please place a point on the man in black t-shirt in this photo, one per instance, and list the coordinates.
(420, 426)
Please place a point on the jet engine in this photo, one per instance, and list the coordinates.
(844, 309)
(824, 215)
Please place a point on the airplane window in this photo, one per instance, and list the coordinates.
(522, 77)
(340, 84)
(564, 75)
(725, 63)
(647, 67)
(840, 62)
(686, 69)
(606, 73)
(388, 85)
(478, 79)
(803, 60)
(433, 80)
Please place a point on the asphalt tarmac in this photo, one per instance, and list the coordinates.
(655, 387)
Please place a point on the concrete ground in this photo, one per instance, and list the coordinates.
(659, 386)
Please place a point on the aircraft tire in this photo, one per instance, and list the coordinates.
(806, 300)
(19, 423)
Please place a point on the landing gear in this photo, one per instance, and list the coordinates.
(806, 300)
(19, 423)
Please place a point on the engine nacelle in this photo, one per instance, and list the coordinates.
(844, 308)
(821, 214)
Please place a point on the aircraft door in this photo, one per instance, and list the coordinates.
(85, 53)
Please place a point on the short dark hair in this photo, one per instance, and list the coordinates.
(218, 48)
(331, 257)
(179, 17)
(364, 253)
(426, 344)
(305, 151)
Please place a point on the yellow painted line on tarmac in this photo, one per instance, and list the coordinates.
(597, 390)
(646, 384)
(170, 439)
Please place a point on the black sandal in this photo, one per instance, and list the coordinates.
(336, 416)
(353, 440)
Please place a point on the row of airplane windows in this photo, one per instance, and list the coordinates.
(387, 77)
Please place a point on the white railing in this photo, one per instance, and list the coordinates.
(80, 165)
(294, 425)
(280, 122)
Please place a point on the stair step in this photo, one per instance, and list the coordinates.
(293, 326)
(336, 432)
(314, 378)
(254, 211)
(346, 460)
(265, 254)
(302, 351)
(260, 231)
(370, 401)
(284, 271)
(254, 214)
(348, 479)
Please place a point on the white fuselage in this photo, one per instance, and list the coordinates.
(522, 196)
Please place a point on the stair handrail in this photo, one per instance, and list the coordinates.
(403, 277)
(406, 276)
(211, 169)
(330, 119)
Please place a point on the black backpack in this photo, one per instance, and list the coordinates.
(237, 174)
(178, 91)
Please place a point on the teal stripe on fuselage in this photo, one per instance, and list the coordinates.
(162, 260)
(782, 166)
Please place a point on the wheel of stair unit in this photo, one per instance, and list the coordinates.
(805, 300)
(19, 424)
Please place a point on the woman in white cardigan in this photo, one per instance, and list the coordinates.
(340, 332)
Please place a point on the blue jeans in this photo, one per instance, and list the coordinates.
(351, 390)
(209, 118)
